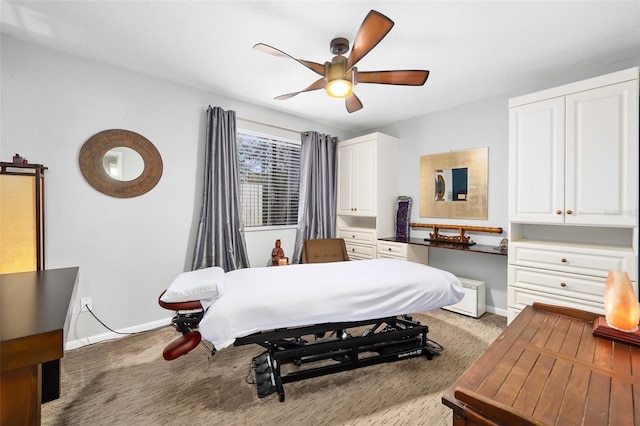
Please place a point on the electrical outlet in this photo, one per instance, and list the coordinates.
(85, 303)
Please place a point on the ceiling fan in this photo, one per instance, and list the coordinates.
(340, 75)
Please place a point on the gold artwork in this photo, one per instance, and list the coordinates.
(470, 205)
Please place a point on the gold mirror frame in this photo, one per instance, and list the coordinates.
(475, 207)
(91, 165)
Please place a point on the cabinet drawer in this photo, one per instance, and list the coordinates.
(518, 298)
(570, 285)
(357, 257)
(393, 249)
(360, 251)
(593, 262)
(357, 235)
(389, 256)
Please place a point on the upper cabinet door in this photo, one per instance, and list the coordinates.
(346, 184)
(536, 162)
(357, 179)
(365, 196)
(602, 156)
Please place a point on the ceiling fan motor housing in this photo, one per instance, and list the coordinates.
(337, 70)
(339, 46)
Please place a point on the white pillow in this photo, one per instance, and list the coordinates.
(207, 283)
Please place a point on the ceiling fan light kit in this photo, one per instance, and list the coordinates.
(339, 88)
(340, 75)
(339, 82)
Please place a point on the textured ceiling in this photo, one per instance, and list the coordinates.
(473, 49)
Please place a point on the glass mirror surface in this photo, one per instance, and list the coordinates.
(451, 184)
(123, 164)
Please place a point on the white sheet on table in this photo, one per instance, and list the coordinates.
(260, 299)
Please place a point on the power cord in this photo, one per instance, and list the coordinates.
(434, 346)
(246, 379)
(109, 328)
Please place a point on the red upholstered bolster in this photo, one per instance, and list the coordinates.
(182, 345)
(180, 306)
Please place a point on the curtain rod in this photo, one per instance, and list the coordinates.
(271, 125)
(267, 124)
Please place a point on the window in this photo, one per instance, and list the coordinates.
(269, 179)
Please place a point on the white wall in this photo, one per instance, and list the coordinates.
(128, 250)
(475, 125)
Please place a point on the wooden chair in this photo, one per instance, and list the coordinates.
(324, 250)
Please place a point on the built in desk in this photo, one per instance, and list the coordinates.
(35, 310)
(475, 248)
(546, 368)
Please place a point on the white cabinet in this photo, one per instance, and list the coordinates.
(396, 250)
(573, 191)
(536, 161)
(367, 192)
(601, 176)
(357, 179)
(360, 242)
(573, 158)
(585, 259)
(565, 274)
(473, 302)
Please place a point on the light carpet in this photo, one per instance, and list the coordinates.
(126, 382)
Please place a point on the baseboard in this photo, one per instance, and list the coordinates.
(497, 311)
(85, 341)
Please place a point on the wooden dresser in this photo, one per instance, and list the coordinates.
(546, 368)
(35, 310)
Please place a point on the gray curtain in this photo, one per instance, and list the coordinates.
(220, 240)
(318, 189)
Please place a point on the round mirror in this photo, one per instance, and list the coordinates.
(123, 163)
(120, 163)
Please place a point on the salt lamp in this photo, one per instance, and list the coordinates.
(622, 310)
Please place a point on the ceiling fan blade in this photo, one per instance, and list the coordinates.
(400, 77)
(313, 66)
(318, 84)
(352, 103)
(373, 29)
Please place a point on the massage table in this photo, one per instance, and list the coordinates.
(323, 318)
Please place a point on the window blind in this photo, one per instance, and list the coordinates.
(269, 169)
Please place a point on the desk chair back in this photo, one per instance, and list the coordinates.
(324, 250)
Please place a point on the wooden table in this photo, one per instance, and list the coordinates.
(35, 311)
(546, 368)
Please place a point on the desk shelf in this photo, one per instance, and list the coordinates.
(476, 248)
